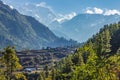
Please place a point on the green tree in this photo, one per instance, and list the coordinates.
(53, 74)
(67, 65)
(40, 77)
(77, 58)
(46, 69)
(106, 41)
(20, 76)
(97, 59)
(2, 76)
(10, 61)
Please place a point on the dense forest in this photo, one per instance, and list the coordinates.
(97, 59)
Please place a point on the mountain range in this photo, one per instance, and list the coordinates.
(84, 26)
(80, 27)
(41, 12)
(25, 31)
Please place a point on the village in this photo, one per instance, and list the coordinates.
(36, 60)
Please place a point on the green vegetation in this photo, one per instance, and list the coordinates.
(9, 64)
(97, 59)
(20, 76)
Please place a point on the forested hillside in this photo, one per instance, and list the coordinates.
(98, 59)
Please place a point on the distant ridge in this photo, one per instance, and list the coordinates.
(25, 31)
(83, 26)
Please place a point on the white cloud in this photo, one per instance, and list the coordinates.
(94, 11)
(36, 15)
(62, 18)
(98, 10)
(112, 12)
(59, 17)
(43, 4)
(11, 7)
(89, 12)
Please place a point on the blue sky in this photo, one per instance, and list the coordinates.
(68, 6)
(67, 9)
(78, 6)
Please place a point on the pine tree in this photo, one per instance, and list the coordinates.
(53, 72)
(40, 77)
(11, 62)
(46, 69)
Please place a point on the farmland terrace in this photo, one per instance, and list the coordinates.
(39, 58)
